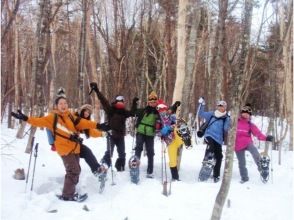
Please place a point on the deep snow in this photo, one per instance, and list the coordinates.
(189, 198)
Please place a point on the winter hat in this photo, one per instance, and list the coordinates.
(247, 109)
(60, 95)
(161, 106)
(152, 96)
(119, 98)
(221, 103)
(84, 108)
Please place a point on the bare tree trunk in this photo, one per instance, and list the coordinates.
(40, 58)
(181, 50)
(236, 93)
(82, 53)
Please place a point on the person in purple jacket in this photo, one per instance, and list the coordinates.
(245, 130)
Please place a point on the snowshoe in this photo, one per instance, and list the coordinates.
(184, 132)
(264, 168)
(134, 165)
(150, 175)
(101, 174)
(76, 198)
(207, 168)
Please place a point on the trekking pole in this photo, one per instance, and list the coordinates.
(272, 169)
(28, 171)
(164, 173)
(196, 123)
(35, 155)
(110, 152)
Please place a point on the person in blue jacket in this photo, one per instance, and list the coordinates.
(218, 126)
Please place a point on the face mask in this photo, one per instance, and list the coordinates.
(119, 105)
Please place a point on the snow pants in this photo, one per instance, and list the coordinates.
(72, 172)
(87, 154)
(173, 150)
(142, 139)
(242, 160)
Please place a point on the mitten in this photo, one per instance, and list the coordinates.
(19, 115)
(94, 87)
(165, 131)
(269, 138)
(201, 101)
(103, 127)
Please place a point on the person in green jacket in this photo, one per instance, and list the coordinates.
(147, 122)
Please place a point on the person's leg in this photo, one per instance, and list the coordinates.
(242, 165)
(255, 154)
(150, 153)
(218, 154)
(89, 157)
(139, 144)
(73, 170)
(121, 160)
(173, 156)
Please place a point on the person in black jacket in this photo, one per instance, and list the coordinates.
(116, 118)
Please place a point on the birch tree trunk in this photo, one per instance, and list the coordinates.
(236, 94)
(181, 50)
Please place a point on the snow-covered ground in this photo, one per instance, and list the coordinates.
(189, 198)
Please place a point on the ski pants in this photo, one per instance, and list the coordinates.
(242, 160)
(112, 141)
(72, 172)
(216, 149)
(173, 150)
(87, 154)
(149, 144)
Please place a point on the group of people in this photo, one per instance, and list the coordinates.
(156, 118)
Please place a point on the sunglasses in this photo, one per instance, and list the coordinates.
(152, 99)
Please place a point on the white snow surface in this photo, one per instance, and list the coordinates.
(189, 199)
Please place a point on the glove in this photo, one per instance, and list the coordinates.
(165, 130)
(94, 87)
(135, 100)
(53, 148)
(19, 115)
(269, 138)
(103, 127)
(177, 103)
(201, 101)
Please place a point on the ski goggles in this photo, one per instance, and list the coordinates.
(246, 109)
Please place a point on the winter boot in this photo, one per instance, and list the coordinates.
(120, 164)
(174, 173)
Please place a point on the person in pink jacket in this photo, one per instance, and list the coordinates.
(245, 130)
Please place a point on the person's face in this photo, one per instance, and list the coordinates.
(221, 108)
(245, 115)
(62, 105)
(152, 103)
(86, 113)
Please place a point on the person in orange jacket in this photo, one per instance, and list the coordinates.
(67, 141)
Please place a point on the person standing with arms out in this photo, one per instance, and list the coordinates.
(218, 126)
(67, 142)
(245, 130)
(116, 118)
(147, 123)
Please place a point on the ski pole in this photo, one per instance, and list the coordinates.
(110, 152)
(28, 171)
(35, 155)
(196, 123)
(272, 169)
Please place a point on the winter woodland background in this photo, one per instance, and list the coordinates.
(237, 50)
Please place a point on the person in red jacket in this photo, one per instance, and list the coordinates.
(244, 142)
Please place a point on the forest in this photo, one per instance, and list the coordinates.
(240, 51)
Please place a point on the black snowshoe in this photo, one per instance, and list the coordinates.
(76, 198)
(134, 165)
(264, 168)
(207, 167)
(184, 132)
